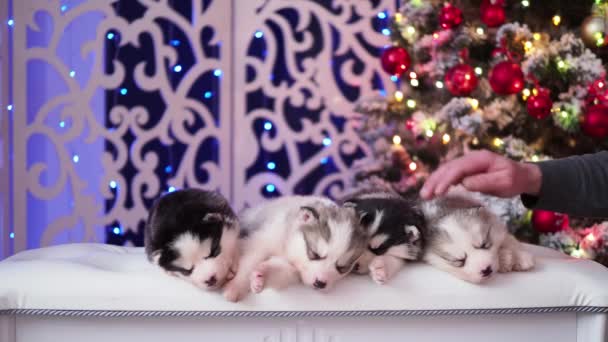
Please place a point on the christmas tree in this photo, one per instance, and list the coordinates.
(524, 79)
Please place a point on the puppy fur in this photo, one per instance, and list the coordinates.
(192, 234)
(393, 225)
(465, 239)
(296, 238)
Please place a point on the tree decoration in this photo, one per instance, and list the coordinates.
(595, 121)
(492, 13)
(548, 222)
(450, 17)
(492, 99)
(506, 78)
(395, 60)
(461, 80)
(539, 106)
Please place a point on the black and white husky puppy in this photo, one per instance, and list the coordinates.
(193, 234)
(467, 240)
(394, 226)
(296, 238)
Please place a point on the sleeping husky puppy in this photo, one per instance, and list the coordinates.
(465, 239)
(394, 226)
(192, 234)
(295, 238)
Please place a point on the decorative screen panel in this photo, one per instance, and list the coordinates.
(303, 65)
(119, 101)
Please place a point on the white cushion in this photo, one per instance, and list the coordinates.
(97, 277)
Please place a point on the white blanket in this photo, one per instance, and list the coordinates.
(100, 277)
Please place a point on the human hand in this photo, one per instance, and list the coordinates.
(486, 172)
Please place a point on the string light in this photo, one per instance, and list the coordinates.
(326, 141)
(413, 75)
(525, 93)
(113, 184)
(590, 237)
(394, 78)
(398, 96)
(398, 17)
(528, 46)
(410, 30)
(435, 35)
(577, 253)
(561, 65)
(413, 166)
(11, 235)
(208, 94)
(474, 103)
(62, 124)
(168, 169)
(270, 187)
(268, 125)
(271, 165)
(381, 15)
(117, 230)
(414, 82)
(525, 3)
(446, 139)
(9, 107)
(258, 34)
(217, 72)
(429, 133)
(498, 142)
(11, 22)
(475, 141)
(480, 31)
(171, 189)
(536, 36)
(72, 73)
(556, 20)
(110, 35)
(123, 91)
(175, 42)
(411, 103)
(535, 158)
(478, 71)
(439, 84)
(75, 158)
(397, 140)
(177, 68)
(564, 114)
(64, 8)
(386, 32)
(324, 160)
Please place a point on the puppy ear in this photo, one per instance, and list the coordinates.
(213, 218)
(308, 214)
(412, 233)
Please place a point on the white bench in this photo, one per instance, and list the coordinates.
(94, 292)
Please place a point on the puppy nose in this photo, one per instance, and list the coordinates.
(319, 284)
(487, 271)
(211, 281)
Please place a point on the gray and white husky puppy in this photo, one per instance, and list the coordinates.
(296, 238)
(467, 240)
(394, 226)
(192, 234)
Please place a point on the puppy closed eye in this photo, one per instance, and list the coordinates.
(312, 255)
(343, 269)
(485, 245)
(459, 262)
(217, 249)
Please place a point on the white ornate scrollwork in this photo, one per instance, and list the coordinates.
(80, 167)
(325, 57)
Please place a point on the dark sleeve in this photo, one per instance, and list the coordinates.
(576, 185)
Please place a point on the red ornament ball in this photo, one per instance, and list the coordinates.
(595, 121)
(506, 78)
(539, 105)
(461, 80)
(395, 60)
(548, 222)
(450, 17)
(492, 14)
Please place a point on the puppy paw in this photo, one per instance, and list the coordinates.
(505, 260)
(258, 278)
(378, 271)
(233, 293)
(524, 261)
